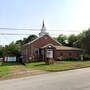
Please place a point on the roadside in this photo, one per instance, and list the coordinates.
(18, 71)
(14, 70)
(66, 80)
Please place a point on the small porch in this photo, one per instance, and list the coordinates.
(44, 53)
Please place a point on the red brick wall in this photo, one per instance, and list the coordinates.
(66, 54)
(38, 44)
(42, 42)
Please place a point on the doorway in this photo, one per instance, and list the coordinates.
(49, 53)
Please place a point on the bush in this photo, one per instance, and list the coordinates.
(86, 57)
(71, 59)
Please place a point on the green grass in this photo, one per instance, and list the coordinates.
(61, 66)
(7, 68)
(4, 70)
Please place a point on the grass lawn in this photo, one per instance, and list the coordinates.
(60, 66)
(4, 71)
(10, 68)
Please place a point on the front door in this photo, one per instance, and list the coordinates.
(49, 53)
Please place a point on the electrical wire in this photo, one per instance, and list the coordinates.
(18, 29)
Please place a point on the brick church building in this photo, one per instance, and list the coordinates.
(45, 47)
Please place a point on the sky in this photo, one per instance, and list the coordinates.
(60, 16)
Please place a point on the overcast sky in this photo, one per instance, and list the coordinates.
(64, 16)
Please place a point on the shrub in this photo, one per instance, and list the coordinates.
(71, 59)
(86, 57)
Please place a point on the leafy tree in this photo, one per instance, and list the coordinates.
(30, 38)
(79, 42)
(83, 40)
(86, 41)
(12, 49)
(19, 42)
(62, 39)
(26, 40)
(71, 39)
(1, 51)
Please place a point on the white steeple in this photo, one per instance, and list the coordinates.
(43, 30)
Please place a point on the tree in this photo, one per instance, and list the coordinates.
(19, 42)
(12, 49)
(62, 39)
(79, 41)
(85, 42)
(30, 38)
(1, 51)
(71, 39)
(26, 40)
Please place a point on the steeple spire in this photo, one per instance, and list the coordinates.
(43, 25)
(43, 30)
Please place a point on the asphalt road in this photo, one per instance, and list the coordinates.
(66, 80)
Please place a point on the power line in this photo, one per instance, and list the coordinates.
(12, 34)
(18, 29)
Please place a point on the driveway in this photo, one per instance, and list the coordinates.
(67, 80)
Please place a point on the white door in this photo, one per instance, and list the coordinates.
(49, 53)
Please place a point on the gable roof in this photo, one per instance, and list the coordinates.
(41, 37)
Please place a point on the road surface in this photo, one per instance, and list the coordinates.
(67, 80)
